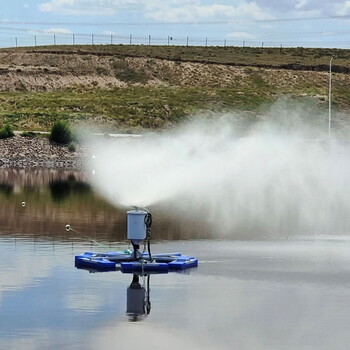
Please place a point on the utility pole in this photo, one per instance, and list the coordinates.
(330, 98)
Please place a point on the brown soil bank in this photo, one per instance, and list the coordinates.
(54, 68)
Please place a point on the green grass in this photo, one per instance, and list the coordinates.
(135, 107)
(29, 134)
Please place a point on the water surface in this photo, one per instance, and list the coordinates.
(256, 294)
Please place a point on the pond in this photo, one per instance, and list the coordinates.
(254, 294)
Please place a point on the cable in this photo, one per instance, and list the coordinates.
(148, 223)
(148, 299)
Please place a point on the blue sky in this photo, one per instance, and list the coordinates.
(308, 23)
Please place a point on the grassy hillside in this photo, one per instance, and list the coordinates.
(250, 56)
(136, 87)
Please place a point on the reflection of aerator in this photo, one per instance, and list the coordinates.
(138, 298)
(139, 222)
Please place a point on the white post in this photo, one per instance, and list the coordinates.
(330, 98)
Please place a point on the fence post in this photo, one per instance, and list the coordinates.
(149, 40)
(16, 41)
(130, 39)
(34, 40)
(54, 39)
(92, 39)
(262, 46)
(111, 39)
(187, 42)
(225, 42)
(73, 37)
(168, 40)
(281, 49)
(206, 42)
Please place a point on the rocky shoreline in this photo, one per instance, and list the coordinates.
(23, 152)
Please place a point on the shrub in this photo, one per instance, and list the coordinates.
(72, 147)
(6, 131)
(61, 133)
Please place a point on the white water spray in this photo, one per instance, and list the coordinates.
(272, 180)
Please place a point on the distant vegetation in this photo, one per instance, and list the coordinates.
(131, 88)
(247, 56)
(28, 134)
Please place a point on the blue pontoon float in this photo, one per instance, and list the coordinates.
(139, 223)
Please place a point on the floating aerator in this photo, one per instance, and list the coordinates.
(139, 222)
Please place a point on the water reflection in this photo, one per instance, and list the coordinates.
(138, 302)
(6, 189)
(54, 198)
(280, 292)
(63, 189)
(256, 295)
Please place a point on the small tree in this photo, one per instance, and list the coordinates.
(61, 133)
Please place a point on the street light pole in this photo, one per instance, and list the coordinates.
(330, 97)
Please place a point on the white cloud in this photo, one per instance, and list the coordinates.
(197, 12)
(292, 7)
(169, 11)
(58, 31)
(343, 9)
(300, 4)
(80, 7)
(241, 35)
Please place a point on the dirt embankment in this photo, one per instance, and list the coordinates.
(54, 70)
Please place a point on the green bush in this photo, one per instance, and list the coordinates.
(6, 131)
(61, 133)
(71, 147)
